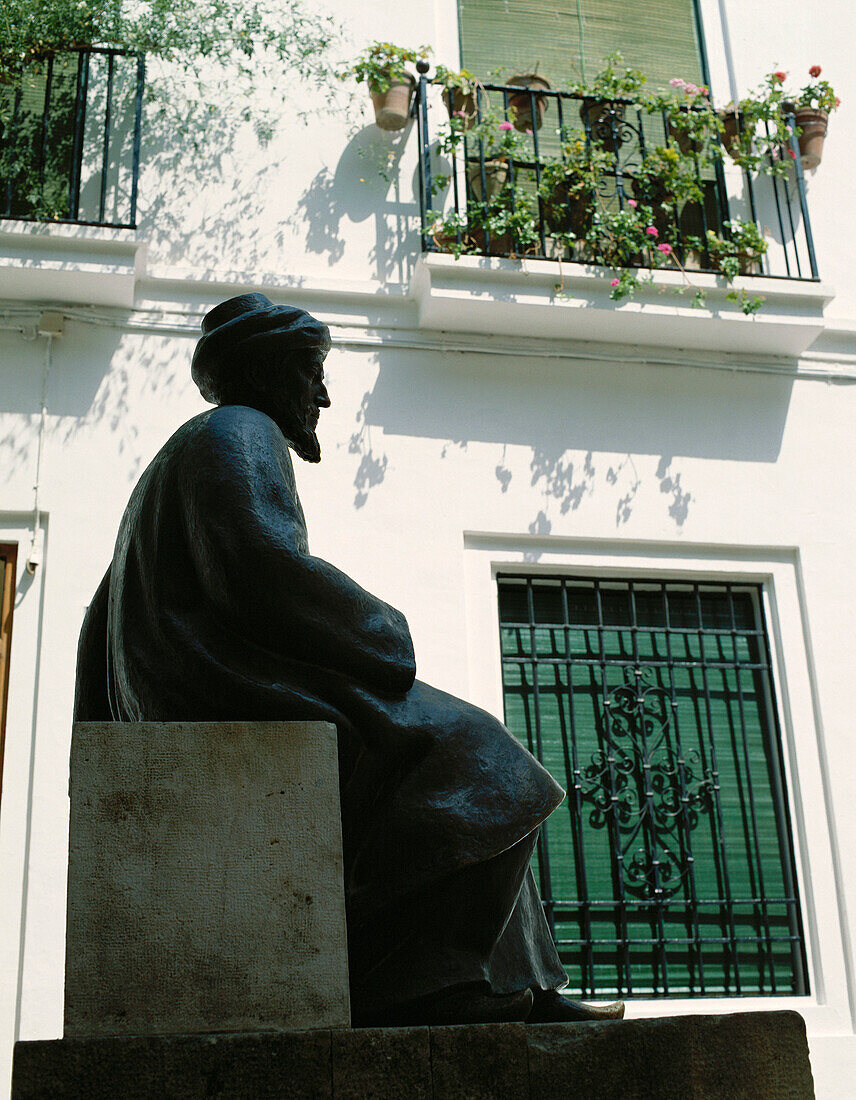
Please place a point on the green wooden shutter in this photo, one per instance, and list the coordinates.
(569, 39)
(578, 660)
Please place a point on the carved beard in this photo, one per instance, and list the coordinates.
(299, 432)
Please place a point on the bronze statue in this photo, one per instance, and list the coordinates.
(214, 609)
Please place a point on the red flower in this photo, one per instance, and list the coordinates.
(780, 77)
(792, 154)
(837, 102)
(815, 71)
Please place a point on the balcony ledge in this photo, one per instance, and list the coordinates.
(72, 264)
(505, 297)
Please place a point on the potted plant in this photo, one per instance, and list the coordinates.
(738, 253)
(382, 67)
(570, 183)
(461, 94)
(690, 114)
(666, 180)
(751, 148)
(503, 224)
(810, 108)
(623, 240)
(602, 110)
(492, 144)
(520, 103)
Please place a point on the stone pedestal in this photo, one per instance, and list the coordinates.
(205, 888)
(744, 1056)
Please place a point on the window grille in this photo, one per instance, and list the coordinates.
(669, 870)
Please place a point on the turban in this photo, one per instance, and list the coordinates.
(239, 328)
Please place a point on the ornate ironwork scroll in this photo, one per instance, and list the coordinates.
(645, 787)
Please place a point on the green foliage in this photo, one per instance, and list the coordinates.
(739, 251)
(817, 93)
(223, 50)
(569, 184)
(623, 240)
(667, 175)
(692, 120)
(461, 80)
(382, 64)
(761, 128)
(614, 81)
(31, 30)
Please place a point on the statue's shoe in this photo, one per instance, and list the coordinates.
(552, 1008)
(464, 1005)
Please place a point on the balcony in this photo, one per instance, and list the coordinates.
(610, 205)
(70, 140)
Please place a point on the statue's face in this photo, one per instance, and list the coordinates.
(293, 396)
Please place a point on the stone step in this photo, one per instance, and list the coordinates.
(751, 1055)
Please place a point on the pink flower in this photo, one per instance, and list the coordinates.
(652, 231)
(460, 114)
(837, 102)
(676, 82)
(664, 248)
(529, 132)
(632, 203)
(780, 77)
(614, 282)
(815, 71)
(505, 126)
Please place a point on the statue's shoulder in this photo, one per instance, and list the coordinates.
(229, 427)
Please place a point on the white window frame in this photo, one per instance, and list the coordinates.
(827, 1008)
(18, 766)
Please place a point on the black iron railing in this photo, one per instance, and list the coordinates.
(453, 211)
(70, 139)
(670, 869)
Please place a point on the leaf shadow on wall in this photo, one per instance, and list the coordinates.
(365, 184)
(595, 408)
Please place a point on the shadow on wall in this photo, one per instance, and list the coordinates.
(97, 381)
(366, 183)
(561, 409)
(553, 406)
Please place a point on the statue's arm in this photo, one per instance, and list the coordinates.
(246, 528)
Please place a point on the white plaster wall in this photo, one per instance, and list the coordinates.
(424, 444)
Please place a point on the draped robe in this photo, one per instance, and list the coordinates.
(214, 609)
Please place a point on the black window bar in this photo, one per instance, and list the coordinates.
(777, 205)
(70, 134)
(670, 869)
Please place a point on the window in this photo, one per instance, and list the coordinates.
(70, 138)
(8, 555)
(669, 871)
(569, 39)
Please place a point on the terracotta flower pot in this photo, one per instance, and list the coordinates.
(566, 212)
(813, 122)
(687, 145)
(476, 241)
(731, 137)
(603, 118)
(522, 101)
(392, 107)
(655, 195)
(463, 104)
(749, 264)
(495, 175)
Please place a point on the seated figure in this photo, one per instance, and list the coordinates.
(213, 608)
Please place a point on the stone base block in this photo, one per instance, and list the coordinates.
(205, 888)
(744, 1056)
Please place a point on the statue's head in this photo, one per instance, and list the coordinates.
(270, 358)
